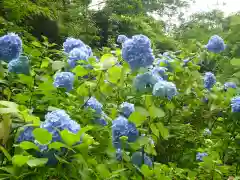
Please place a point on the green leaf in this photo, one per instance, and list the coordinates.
(137, 118)
(114, 74)
(37, 162)
(107, 61)
(36, 43)
(57, 145)
(24, 79)
(57, 65)
(45, 62)
(28, 145)
(103, 171)
(154, 130)
(42, 135)
(163, 131)
(19, 160)
(9, 107)
(80, 71)
(142, 110)
(69, 138)
(235, 62)
(85, 129)
(83, 90)
(61, 159)
(156, 112)
(36, 53)
(8, 156)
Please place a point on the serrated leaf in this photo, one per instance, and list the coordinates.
(235, 62)
(45, 62)
(163, 131)
(156, 112)
(57, 146)
(8, 156)
(36, 43)
(37, 162)
(26, 145)
(154, 130)
(137, 118)
(42, 135)
(142, 110)
(103, 171)
(114, 74)
(61, 159)
(80, 71)
(69, 138)
(57, 65)
(19, 160)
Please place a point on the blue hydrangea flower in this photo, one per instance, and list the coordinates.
(19, 66)
(229, 85)
(26, 134)
(10, 47)
(122, 127)
(77, 54)
(216, 44)
(209, 80)
(164, 89)
(59, 120)
(137, 52)
(160, 71)
(121, 38)
(138, 159)
(207, 132)
(72, 43)
(145, 82)
(127, 109)
(94, 104)
(235, 103)
(64, 80)
(200, 156)
(101, 120)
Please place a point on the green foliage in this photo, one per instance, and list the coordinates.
(172, 131)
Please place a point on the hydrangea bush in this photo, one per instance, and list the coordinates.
(132, 114)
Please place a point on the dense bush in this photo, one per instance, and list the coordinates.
(124, 114)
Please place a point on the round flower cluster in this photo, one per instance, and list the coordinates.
(75, 55)
(10, 47)
(216, 44)
(26, 134)
(72, 43)
(139, 159)
(76, 50)
(59, 120)
(145, 82)
(137, 52)
(64, 80)
(121, 38)
(229, 85)
(55, 121)
(160, 72)
(235, 103)
(209, 80)
(200, 156)
(94, 104)
(164, 89)
(127, 109)
(122, 127)
(19, 66)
